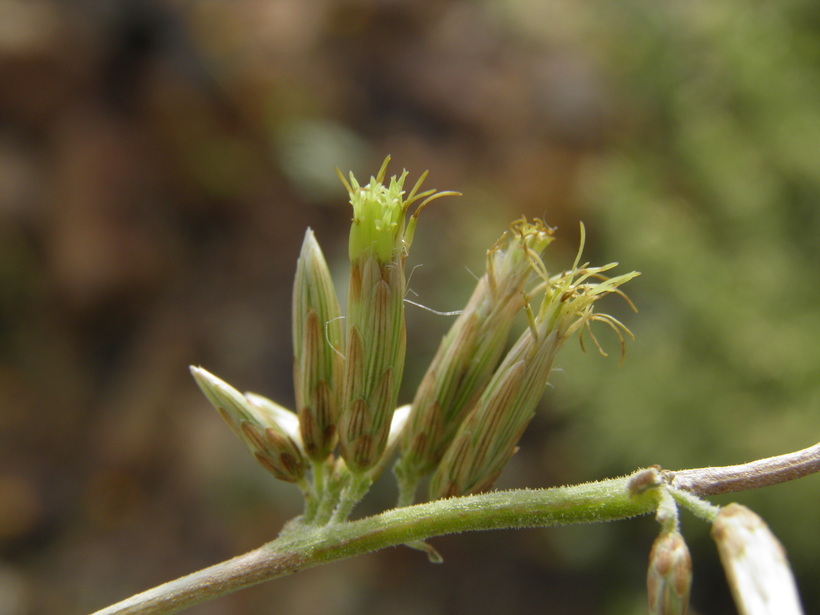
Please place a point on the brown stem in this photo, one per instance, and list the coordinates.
(760, 473)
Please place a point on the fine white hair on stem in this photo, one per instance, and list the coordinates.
(410, 277)
(474, 276)
(419, 305)
(436, 312)
(327, 338)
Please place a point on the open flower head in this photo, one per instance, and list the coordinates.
(569, 299)
(376, 337)
(470, 351)
(379, 228)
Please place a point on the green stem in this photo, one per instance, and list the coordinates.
(408, 482)
(333, 486)
(697, 506)
(355, 489)
(316, 494)
(302, 548)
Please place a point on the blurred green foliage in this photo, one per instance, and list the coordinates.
(716, 202)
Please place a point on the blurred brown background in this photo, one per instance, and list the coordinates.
(160, 160)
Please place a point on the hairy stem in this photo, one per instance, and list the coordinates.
(306, 547)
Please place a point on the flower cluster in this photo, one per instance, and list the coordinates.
(474, 402)
(488, 435)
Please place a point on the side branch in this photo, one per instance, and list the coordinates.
(754, 475)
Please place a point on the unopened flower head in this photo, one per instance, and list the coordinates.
(270, 432)
(669, 577)
(755, 563)
(470, 351)
(376, 337)
(318, 346)
(489, 436)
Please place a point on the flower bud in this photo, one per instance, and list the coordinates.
(755, 563)
(270, 432)
(317, 349)
(669, 577)
(376, 337)
(470, 351)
